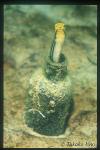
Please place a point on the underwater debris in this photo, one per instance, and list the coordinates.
(50, 92)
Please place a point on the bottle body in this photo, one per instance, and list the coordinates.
(49, 102)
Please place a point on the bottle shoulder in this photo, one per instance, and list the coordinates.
(39, 76)
(39, 82)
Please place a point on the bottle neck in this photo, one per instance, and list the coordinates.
(56, 71)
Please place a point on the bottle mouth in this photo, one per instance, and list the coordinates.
(56, 70)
